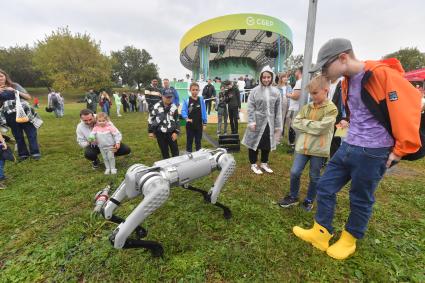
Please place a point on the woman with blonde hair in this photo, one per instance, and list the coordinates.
(284, 89)
(105, 102)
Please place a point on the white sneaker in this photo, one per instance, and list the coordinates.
(113, 171)
(255, 169)
(266, 167)
(107, 171)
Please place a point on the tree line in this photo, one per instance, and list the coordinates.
(64, 60)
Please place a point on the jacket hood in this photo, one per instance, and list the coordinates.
(266, 69)
(393, 63)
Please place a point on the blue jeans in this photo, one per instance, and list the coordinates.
(2, 169)
(18, 130)
(300, 161)
(105, 108)
(365, 167)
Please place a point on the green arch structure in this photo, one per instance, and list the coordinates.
(200, 37)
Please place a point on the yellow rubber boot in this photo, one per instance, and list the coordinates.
(318, 236)
(344, 247)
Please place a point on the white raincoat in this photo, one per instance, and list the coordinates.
(263, 108)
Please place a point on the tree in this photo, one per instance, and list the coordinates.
(72, 61)
(133, 66)
(293, 62)
(17, 62)
(410, 58)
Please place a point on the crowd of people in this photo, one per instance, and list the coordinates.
(362, 117)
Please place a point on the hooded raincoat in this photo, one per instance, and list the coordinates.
(263, 108)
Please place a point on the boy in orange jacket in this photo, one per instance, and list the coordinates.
(383, 110)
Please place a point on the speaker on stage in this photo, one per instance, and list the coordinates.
(230, 142)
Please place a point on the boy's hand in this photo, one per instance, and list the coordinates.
(152, 135)
(343, 124)
(4, 146)
(189, 120)
(204, 127)
(174, 136)
(393, 159)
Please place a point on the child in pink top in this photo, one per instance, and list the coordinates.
(107, 137)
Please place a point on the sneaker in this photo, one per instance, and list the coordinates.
(288, 201)
(307, 205)
(107, 172)
(2, 186)
(266, 167)
(113, 171)
(256, 169)
(95, 164)
(291, 150)
(36, 157)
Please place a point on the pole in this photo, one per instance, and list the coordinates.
(308, 50)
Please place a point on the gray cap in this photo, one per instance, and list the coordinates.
(330, 50)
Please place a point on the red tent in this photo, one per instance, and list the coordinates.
(416, 75)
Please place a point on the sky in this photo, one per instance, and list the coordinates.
(375, 27)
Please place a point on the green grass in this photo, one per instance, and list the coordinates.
(47, 234)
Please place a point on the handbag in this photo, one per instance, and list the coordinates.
(21, 116)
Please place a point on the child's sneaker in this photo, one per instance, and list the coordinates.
(95, 164)
(256, 169)
(113, 171)
(266, 167)
(288, 201)
(107, 171)
(307, 205)
(2, 186)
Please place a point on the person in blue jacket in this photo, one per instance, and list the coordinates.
(194, 112)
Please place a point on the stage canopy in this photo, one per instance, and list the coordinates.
(250, 40)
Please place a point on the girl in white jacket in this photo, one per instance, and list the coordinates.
(264, 121)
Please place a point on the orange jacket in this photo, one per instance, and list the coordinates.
(394, 102)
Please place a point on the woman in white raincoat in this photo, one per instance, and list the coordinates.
(264, 121)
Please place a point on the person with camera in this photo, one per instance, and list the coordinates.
(233, 101)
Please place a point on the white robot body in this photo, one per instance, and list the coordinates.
(155, 183)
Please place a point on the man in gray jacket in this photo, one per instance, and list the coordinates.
(91, 151)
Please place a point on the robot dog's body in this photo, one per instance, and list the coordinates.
(155, 183)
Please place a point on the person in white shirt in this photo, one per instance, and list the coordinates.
(241, 87)
(294, 106)
(91, 150)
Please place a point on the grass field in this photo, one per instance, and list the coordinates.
(47, 234)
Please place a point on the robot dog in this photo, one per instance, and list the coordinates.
(155, 183)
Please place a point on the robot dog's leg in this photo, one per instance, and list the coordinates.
(156, 191)
(227, 164)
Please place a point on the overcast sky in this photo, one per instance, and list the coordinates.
(375, 27)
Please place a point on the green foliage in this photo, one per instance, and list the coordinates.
(410, 58)
(293, 62)
(17, 62)
(47, 234)
(72, 61)
(133, 66)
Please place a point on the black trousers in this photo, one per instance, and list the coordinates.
(92, 151)
(208, 106)
(233, 117)
(165, 142)
(264, 145)
(193, 134)
(253, 155)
